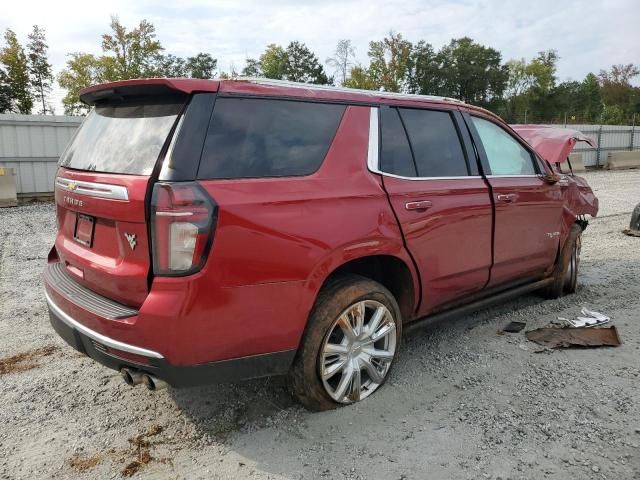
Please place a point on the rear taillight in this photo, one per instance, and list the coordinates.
(183, 219)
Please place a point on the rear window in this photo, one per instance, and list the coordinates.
(125, 138)
(267, 138)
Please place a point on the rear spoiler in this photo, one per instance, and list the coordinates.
(145, 87)
(554, 144)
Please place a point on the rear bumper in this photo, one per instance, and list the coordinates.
(116, 354)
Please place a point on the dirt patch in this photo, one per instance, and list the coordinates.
(139, 450)
(25, 360)
(83, 463)
(140, 445)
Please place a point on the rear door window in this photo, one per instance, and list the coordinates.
(251, 137)
(123, 138)
(395, 152)
(435, 143)
(505, 154)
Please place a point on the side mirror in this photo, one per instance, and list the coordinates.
(550, 178)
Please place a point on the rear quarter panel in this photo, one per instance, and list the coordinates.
(277, 240)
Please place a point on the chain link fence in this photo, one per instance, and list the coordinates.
(607, 138)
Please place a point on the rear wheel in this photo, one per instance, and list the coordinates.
(352, 338)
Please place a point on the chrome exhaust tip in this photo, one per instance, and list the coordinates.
(153, 383)
(131, 377)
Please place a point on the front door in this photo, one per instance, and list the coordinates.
(528, 211)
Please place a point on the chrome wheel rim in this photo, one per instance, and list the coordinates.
(357, 352)
(572, 270)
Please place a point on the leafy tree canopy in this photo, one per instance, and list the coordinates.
(296, 63)
(40, 70)
(135, 53)
(14, 61)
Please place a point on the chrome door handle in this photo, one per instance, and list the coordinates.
(420, 205)
(507, 198)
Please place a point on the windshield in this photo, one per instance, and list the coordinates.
(126, 138)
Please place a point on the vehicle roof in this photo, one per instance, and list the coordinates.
(268, 87)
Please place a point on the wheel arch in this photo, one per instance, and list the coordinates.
(394, 273)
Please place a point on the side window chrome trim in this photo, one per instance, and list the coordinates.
(373, 153)
(466, 177)
(514, 176)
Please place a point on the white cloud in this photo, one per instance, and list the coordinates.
(589, 36)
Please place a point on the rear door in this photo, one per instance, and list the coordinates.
(528, 210)
(442, 203)
(101, 189)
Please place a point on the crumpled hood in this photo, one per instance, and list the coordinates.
(554, 144)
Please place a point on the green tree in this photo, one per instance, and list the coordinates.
(542, 70)
(342, 60)
(515, 101)
(359, 78)
(302, 65)
(40, 69)
(203, 65)
(16, 66)
(5, 92)
(591, 100)
(131, 54)
(127, 54)
(172, 66)
(273, 62)
(472, 72)
(390, 62)
(612, 115)
(82, 70)
(424, 72)
(252, 68)
(567, 100)
(297, 64)
(615, 86)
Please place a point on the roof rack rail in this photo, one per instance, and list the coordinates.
(331, 88)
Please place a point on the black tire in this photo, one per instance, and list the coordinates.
(565, 274)
(571, 276)
(333, 300)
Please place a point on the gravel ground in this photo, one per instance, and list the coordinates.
(463, 402)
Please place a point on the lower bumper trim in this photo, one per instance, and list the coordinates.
(98, 337)
(93, 344)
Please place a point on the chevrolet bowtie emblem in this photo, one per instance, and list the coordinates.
(72, 186)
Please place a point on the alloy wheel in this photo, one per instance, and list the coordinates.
(357, 352)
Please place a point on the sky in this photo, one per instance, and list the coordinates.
(588, 35)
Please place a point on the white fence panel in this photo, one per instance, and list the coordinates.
(32, 144)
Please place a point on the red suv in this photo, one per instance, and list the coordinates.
(212, 231)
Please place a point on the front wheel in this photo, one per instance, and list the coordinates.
(571, 276)
(350, 343)
(565, 275)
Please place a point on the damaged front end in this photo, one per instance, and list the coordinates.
(554, 145)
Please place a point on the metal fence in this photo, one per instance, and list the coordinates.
(32, 144)
(608, 138)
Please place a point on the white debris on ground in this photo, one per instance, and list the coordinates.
(462, 403)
